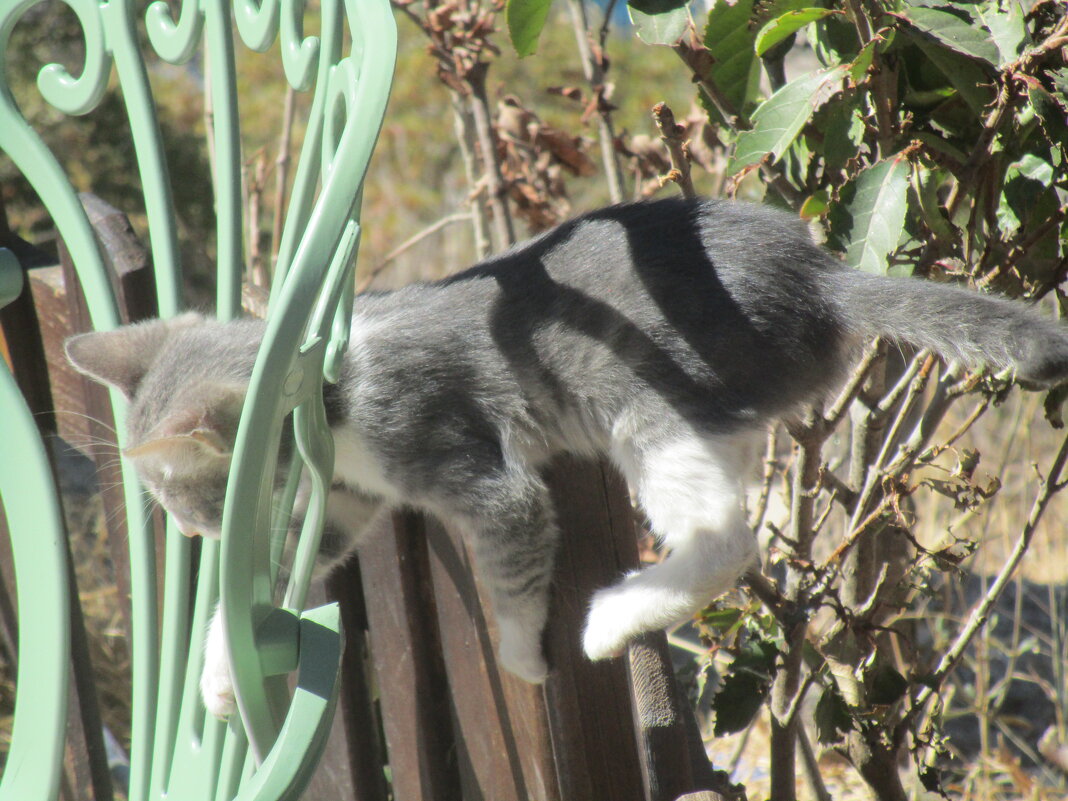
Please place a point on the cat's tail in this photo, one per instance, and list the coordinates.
(956, 323)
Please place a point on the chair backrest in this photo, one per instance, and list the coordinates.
(176, 750)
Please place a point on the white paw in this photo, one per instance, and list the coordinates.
(610, 625)
(520, 651)
(216, 686)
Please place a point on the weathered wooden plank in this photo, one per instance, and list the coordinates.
(130, 269)
(355, 748)
(89, 424)
(48, 287)
(408, 662)
(22, 339)
(502, 737)
(589, 703)
(95, 404)
(86, 757)
(658, 720)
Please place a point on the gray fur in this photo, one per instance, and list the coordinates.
(635, 331)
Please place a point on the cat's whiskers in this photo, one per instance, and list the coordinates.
(88, 417)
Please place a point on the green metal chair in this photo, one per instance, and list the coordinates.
(178, 752)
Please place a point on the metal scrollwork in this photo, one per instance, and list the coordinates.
(82, 94)
(310, 306)
(300, 53)
(174, 42)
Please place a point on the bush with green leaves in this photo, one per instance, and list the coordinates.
(927, 138)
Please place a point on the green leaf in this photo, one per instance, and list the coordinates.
(832, 717)
(780, 118)
(841, 122)
(925, 186)
(963, 74)
(859, 68)
(659, 22)
(887, 686)
(735, 68)
(745, 687)
(1052, 115)
(1025, 192)
(1007, 29)
(779, 28)
(525, 20)
(722, 620)
(737, 702)
(868, 221)
(955, 33)
(834, 40)
(815, 205)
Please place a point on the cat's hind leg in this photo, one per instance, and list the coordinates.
(691, 488)
(514, 539)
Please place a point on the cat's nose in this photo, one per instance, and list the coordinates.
(184, 527)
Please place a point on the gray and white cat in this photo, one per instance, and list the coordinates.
(662, 335)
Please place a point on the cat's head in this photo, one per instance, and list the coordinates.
(185, 379)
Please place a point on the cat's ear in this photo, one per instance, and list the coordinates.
(120, 357)
(206, 428)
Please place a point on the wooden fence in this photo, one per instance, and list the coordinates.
(425, 711)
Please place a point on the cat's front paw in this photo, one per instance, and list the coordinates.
(610, 624)
(520, 652)
(216, 685)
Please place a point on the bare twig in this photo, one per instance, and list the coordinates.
(812, 766)
(255, 180)
(849, 392)
(594, 70)
(503, 230)
(788, 686)
(463, 125)
(672, 133)
(1051, 485)
(281, 163)
(770, 466)
(921, 361)
(407, 244)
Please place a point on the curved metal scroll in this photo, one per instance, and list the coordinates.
(177, 752)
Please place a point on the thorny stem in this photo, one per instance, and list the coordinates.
(503, 230)
(999, 116)
(465, 137)
(872, 354)
(770, 464)
(592, 68)
(812, 766)
(672, 133)
(810, 436)
(282, 162)
(408, 243)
